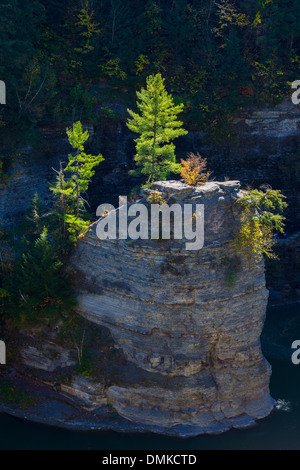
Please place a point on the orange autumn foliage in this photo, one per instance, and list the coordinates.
(193, 170)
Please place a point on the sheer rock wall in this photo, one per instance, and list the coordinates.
(189, 321)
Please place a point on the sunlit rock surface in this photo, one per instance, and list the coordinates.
(188, 321)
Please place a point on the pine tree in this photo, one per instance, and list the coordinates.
(38, 286)
(157, 125)
(70, 193)
(40, 267)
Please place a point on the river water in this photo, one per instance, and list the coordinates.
(281, 430)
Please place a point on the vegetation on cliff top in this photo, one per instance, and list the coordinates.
(157, 124)
(71, 205)
(261, 221)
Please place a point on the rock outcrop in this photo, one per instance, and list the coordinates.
(188, 321)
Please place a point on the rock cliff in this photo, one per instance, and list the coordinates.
(189, 322)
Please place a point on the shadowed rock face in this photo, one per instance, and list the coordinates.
(191, 319)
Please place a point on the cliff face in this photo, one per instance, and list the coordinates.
(189, 322)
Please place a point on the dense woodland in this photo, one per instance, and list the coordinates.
(61, 60)
(216, 56)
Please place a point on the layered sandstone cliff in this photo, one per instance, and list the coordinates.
(189, 322)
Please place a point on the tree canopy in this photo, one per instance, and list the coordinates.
(156, 122)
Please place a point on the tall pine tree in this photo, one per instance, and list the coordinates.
(70, 192)
(157, 124)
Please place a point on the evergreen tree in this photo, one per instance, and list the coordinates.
(157, 125)
(70, 193)
(39, 289)
(281, 26)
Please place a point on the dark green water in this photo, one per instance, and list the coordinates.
(279, 431)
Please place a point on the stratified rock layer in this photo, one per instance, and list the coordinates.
(191, 320)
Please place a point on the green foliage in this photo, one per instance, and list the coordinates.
(271, 80)
(264, 203)
(76, 226)
(155, 197)
(34, 286)
(141, 63)
(260, 220)
(20, 68)
(216, 56)
(232, 265)
(88, 27)
(228, 14)
(69, 193)
(230, 278)
(112, 69)
(14, 395)
(38, 291)
(157, 124)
